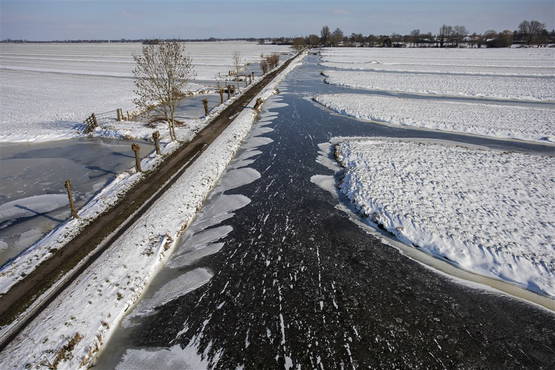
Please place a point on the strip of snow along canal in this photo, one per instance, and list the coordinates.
(505, 88)
(486, 211)
(72, 330)
(502, 121)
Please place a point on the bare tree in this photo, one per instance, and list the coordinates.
(264, 66)
(325, 35)
(161, 73)
(299, 43)
(237, 63)
(531, 30)
(336, 37)
(459, 32)
(445, 33)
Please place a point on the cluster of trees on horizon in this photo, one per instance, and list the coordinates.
(528, 33)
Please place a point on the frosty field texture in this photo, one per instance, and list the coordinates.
(486, 211)
(432, 68)
(47, 89)
(503, 121)
(506, 88)
(419, 57)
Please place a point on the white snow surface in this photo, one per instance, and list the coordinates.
(433, 68)
(518, 60)
(47, 90)
(504, 88)
(486, 211)
(96, 302)
(503, 121)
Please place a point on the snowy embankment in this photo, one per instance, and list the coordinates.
(47, 90)
(503, 121)
(486, 211)
(506, 88)
(71, 331)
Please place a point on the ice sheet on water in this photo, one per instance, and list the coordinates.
(174, 357)
(32, 206)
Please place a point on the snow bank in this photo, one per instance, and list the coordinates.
(87, 312)
(504, 121)
(508, 88)
(486, 211)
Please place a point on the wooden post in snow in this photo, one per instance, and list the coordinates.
(156, 138)
(252, 76)
(69, 190)
(221, 91)
(205, 104)
(258, 104)
(136, 148)
(118, 114)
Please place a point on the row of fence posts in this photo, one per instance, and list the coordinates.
(91, 123)
(121, 117)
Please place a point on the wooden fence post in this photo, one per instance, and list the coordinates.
(136, 148)
(67, 185)
(156, 138)
(205, 104)
(221, 91)
(258, 104)
(252, 76)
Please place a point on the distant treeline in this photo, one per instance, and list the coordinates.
(148, 41)
(529, 33)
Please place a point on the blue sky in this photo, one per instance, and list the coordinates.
(115, 19)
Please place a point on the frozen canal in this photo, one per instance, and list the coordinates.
(274, 274)
(33, 199)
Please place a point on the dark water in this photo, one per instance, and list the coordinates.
(297, 283)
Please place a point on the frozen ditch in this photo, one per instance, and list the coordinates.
(486, 211)
(502, 121)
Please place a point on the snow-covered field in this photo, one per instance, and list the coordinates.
(487, 211)
(513, 74)
(47, 89)
(119, 277)
(475, 86)
(504, 121)
(445, 69)
(413, 58)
